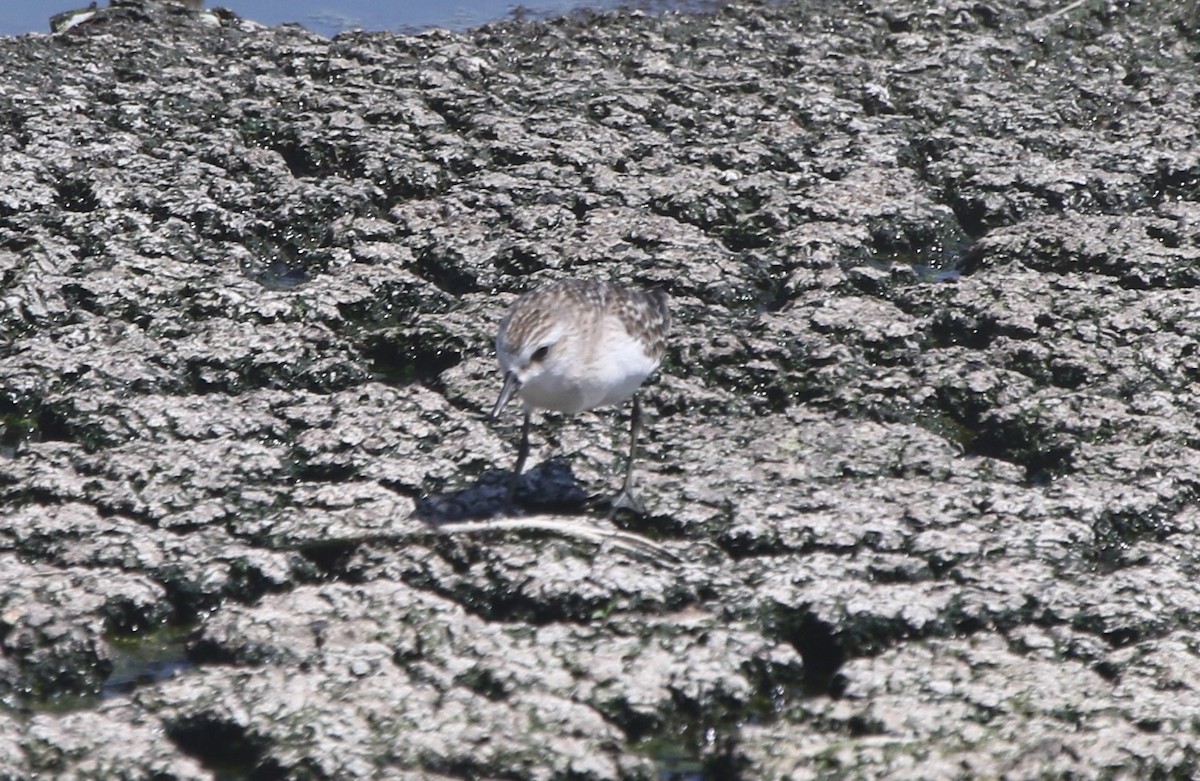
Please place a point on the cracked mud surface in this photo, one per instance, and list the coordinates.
(925, 442)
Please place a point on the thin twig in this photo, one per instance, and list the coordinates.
(626, 542)
(1054, 14)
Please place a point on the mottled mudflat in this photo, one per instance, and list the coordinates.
(924, 444)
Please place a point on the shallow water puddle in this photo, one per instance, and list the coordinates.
(146, 658)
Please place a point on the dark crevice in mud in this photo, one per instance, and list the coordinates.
(971, 212)
(693, 740)
(819, 647)
(77, 195)
(699, 740)
(520, 261)
(25, 420)
(79, 298)
(305, 158)
(1043, 467)
(741, 547)
(825, 649)
(959, 329)
(724, 765)
(676, 756)
(402, 357)
(1116, 530)
(188, 596)
(501, 602)
(53, 427)
(1116, 637)
(460, 767)
(329, 472)
(972, 424)
(401, 183)
(15, 429)
(483, 587)
(447, 273)
(1175, 184)
(65, 692)
(248, 584)
(973, 258)
(227, 750)
(331, 559)
(393, 305)
(933, 251)
(747, 235)
(299, 160)
(207, 375)
(1042, 461)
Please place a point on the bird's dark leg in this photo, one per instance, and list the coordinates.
(522, 454)
(626, 500)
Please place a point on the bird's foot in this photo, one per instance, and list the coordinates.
(626, 501)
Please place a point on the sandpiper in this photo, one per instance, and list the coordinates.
(576, 344)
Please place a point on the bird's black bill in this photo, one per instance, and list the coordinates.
(511, 385)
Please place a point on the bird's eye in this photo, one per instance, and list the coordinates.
(539, 354)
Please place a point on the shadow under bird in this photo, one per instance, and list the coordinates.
(577, 344)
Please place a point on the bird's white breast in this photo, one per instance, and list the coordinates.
(601, 366)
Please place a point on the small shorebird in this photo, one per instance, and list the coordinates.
(577, 344)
